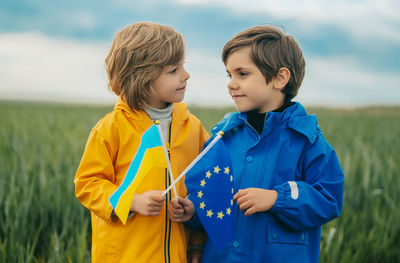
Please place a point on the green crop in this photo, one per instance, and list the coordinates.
(42, 221)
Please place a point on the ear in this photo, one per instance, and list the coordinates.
(282, 78)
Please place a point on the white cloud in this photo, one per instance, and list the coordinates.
(340, 81)
(36, 67)
(208, 83)
(333, 81)
(362, 19)
(86, 20)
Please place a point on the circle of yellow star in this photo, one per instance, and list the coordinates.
(209, 213)
(220, 215)
(200, 194)
(202, 182)
(226, 170)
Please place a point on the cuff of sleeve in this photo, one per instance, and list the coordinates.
(110, 216)
(284, 193)
(195, 218)
(194, 222)
(114, 218)
(199, 247)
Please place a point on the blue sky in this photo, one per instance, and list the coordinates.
(55, 50)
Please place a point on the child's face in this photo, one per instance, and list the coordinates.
(169, 87)
(247, 85)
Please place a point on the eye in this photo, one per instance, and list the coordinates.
(228, 76)
(243, 74)
(172, 71)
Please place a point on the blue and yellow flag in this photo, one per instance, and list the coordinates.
(149, 154)
(210, 185)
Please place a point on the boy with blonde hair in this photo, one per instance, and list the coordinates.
(145, 69)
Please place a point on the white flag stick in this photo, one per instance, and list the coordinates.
(166, 157)
(195, 161)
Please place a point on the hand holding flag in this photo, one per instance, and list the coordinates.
(149, 154)
(148, 203)
(180, 210)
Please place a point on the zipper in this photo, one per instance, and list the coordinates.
(251, 127)
(167, 234)
(254, 222)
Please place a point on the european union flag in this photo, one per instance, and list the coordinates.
(210, 185)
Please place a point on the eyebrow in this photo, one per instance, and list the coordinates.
(238, 69)
(169, 67)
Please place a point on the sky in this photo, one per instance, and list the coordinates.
(55, 50)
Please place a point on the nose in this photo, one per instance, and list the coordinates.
(186, 75)
(232, 84)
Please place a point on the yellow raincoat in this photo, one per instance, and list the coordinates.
(109, 151)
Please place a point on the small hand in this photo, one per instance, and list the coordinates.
(254, 200)
(148, 203)
(180, 209)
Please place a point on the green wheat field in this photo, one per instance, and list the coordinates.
(41, 146)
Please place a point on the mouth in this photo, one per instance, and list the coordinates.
(235, 97)
(182, 89)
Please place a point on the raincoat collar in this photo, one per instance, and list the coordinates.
(295, 117)
(180, 112)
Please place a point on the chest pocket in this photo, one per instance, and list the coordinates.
(278, 233)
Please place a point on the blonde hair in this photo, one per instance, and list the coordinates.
(271, 50)
(137, 56)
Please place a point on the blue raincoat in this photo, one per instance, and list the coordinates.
(292, 157)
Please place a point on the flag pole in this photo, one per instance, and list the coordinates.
(157, 122)
(219, 135)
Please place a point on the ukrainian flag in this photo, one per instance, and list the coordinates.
(149, 154)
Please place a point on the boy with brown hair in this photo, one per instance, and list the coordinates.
(287, 178)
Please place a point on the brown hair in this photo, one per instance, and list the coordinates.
(271, 50)
(137, 56)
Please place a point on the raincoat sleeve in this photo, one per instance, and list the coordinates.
(94, 177)
(317, 198)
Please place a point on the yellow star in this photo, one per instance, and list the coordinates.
(231, 178)
(226, 170)
(208, 174)
(228, 211)
(232, 190)
(209, 213)
(200, 194)
(202, 182)
(231, 202)
(202, 205)
(216, 169)
(220, 215)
